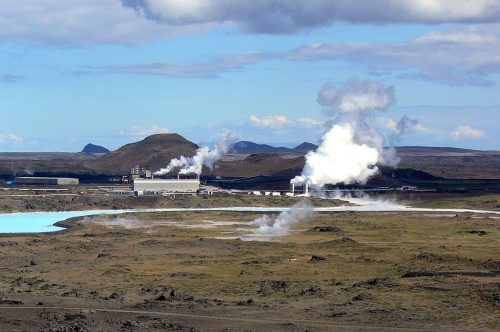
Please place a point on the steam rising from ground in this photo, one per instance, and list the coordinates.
(280, 225)
(203, 156)
(350, 149)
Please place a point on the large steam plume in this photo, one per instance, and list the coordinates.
(282, 223)
(204, 156)
(350, 149)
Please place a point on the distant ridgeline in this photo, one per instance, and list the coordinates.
(251, 147)
(92, 148)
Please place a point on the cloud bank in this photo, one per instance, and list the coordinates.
(459, 57)
(83, 22)
(456, 58)
(284, 16)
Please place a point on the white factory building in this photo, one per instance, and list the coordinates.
(179, 186)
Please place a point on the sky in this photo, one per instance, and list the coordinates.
(111, 72)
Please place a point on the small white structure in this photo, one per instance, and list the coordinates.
(305, 189)
(275, 193)
(34, 180)
(257, 193)
(181, 186)
(408, 188)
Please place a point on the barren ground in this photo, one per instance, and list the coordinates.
(181, 272)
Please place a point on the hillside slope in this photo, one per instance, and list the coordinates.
(153, 152)
(260, 164)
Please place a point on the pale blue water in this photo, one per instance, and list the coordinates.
(33, 222)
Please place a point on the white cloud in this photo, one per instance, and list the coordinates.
(10, 138)
(82, 22)
(270, 121)
(208, 69)
(310, 122)
(285, 16)
(140, 131)
(457, 57)
(467, 131)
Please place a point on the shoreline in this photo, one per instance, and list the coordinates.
(70, 224)
(67, 225)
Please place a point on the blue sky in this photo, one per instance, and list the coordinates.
(114, 71)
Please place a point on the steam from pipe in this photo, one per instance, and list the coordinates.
(350, 149)
(204, 156)
(281, 224)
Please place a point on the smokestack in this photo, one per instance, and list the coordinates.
(306, 192)
(178, 177)
(293, 188)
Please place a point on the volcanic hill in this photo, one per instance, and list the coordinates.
(153, 152)
(92, 148)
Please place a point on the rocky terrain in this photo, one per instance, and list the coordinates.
(183, 272)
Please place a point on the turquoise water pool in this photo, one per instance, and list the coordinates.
(34, 222)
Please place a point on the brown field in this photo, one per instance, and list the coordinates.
(182, 272)
(9, 203)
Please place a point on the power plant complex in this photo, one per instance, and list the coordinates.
(144, 183)
(157, 186)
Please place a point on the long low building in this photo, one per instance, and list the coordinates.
(36, 180)
(142, 186)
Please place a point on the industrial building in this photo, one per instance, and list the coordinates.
(181, 186)
(33, 180)
(138, 172)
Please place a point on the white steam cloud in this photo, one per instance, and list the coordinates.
(204, 156)
(404, 126)
(281, 224)
(350, 149)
